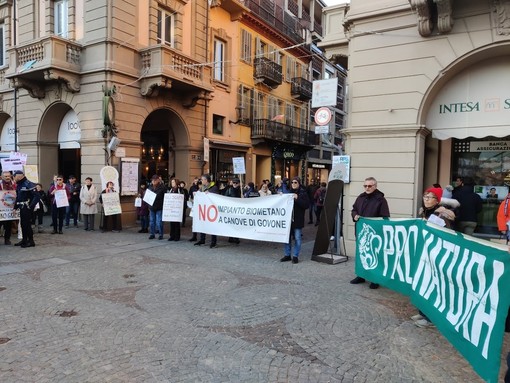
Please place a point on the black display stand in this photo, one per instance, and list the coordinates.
(329, 246)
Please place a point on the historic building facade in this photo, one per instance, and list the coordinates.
(429, 100)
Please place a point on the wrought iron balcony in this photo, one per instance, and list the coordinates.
(267, 71)
(268, 130)
(301, 89)
(164, 67)
(49, 59)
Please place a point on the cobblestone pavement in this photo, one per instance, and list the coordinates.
(117, 307)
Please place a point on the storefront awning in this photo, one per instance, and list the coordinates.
(474, 103)
(228, 145)
(464, 132)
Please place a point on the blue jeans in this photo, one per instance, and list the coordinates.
(156, 221)
(144, 221)
(72, 209)
(297, 247)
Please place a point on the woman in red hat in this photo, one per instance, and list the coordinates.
(432, 210)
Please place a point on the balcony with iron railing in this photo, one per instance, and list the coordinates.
(278, 18)
(268, 130)
(165, 67)
(49, 59)
(301, 89)
(267, 71)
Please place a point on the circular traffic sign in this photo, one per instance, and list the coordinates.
(323, 116)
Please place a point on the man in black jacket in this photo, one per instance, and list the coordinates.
(470, 205)
(370, 203)
(300, 205)
(26, 200)
(156, 210)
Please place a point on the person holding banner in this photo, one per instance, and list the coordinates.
(433, 211)
(110, 222)
(208, 187)
(26, 199)
(175, 227)
(301, 203)
(5, 185)
(370, 203)
(195, 186)
(234, 191)
(59, 195)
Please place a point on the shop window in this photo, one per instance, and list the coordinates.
(165, 28)
(61, 15)
(218, 122)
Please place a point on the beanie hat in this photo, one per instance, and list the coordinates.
(438, 192)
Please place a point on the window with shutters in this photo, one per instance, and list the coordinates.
(303, 118)
(219, 60)
(272, 106)
(246, 44)
(166, 22)
(61, 18)
(244, 104)
(290, 115)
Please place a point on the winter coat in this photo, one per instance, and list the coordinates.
(26, 194)
(234, 192)
(320, 193)
(504, 214)
(211, 188)
(447, 215)
(470, 203)
(74, 190)
(88, 198)
(160, 191)
(143, 210)
(56, 187)
(301, 203)
(371, 205)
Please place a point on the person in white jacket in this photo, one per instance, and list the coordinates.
(88, 207)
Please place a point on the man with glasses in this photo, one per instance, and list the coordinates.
(370, 203)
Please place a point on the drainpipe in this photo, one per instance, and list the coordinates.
(14, 42)
(206, 99)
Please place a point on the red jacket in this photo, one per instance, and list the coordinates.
(504, 214)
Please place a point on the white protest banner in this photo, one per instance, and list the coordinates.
(173, 205)
(261, 219)
(11, 165)
(7, 204)
(61, 198)
(111, 203)
(149, 197)
(22, 157)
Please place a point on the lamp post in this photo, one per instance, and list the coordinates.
(14, 32)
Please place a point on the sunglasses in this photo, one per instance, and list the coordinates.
(60, 179)
(295, 182)
(368, 186)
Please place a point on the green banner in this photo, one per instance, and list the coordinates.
(461, 283)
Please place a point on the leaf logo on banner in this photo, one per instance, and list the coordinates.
(369, 247)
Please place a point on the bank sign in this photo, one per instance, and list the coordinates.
(459, 282)
(474, 103)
